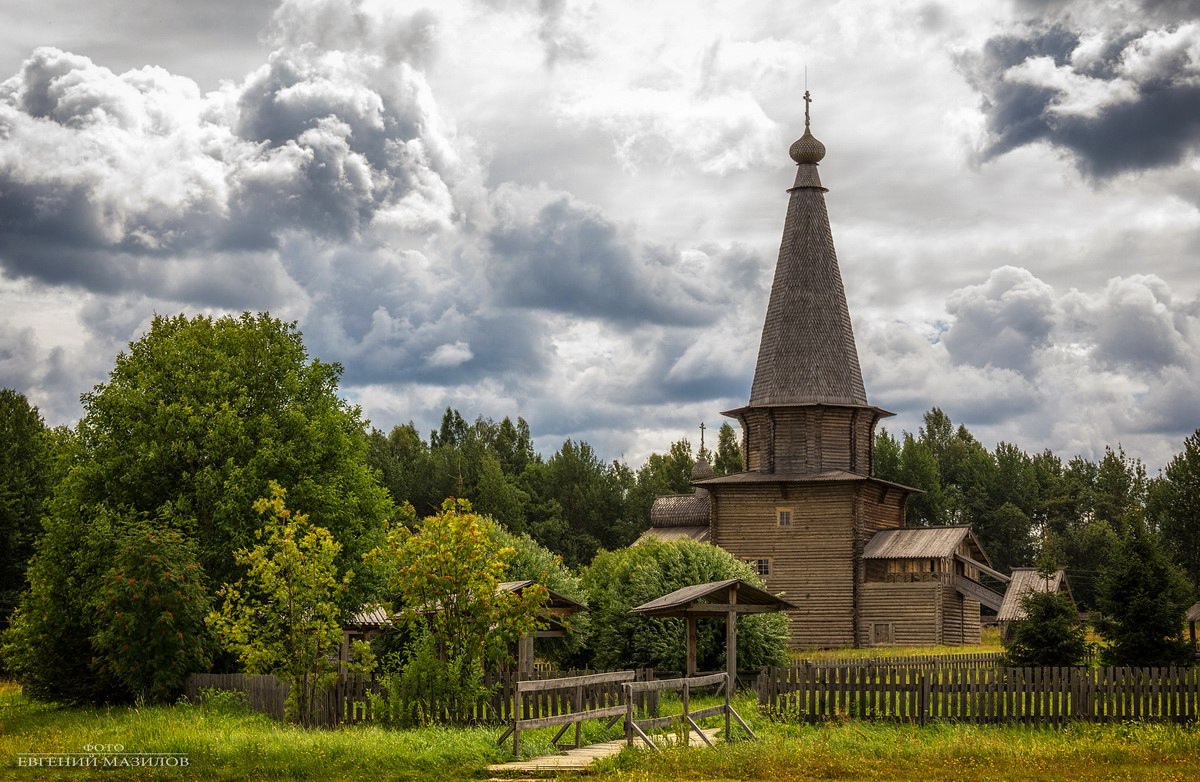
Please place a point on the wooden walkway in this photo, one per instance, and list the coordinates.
(581, 759)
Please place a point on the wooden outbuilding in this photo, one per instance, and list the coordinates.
(557, 609)
(807, 505)
(1025, 581)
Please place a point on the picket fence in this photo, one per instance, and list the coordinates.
(980, 694)
(353, 699)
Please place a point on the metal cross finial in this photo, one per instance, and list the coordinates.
(807, 105)
(702, 436)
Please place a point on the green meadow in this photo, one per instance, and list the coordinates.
(222, 741)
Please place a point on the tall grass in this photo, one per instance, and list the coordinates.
(222, 741)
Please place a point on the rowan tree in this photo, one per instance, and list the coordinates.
(445, 574)
(283, 618)
(150, 612)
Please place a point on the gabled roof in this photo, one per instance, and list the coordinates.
(558, 603)
(713, 598)
(370, 616)
(1193, 613)
(918, 543)
(807, 353)
(700, 534)
(1026, 580)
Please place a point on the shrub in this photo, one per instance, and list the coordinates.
(1049, 635)
(617, 581)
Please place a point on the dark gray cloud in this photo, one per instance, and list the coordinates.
(101, 173)
(1116, 99)
(569, 258)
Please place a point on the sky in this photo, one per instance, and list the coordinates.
(571, 211)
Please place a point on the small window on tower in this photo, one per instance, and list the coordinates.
(761, 567)
(784, 516)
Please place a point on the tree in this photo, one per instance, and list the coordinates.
(151, 610)
(446, 575)
(1143, 597)
(283, 617)
(617, 581)
(1049, 635)
(729, 452)
(26, 476)
(194, 422)
(1176, 507)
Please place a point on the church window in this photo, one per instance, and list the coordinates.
(784, 516)
(761, 567)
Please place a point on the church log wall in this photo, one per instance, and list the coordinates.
(811, 562)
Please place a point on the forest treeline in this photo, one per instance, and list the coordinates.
(1026, 508)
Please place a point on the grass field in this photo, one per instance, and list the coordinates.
(225, 743)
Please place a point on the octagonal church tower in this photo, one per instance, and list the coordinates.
(806, 511)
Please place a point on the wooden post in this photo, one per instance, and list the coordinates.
(730, 655)
(691, 645)
(627, 690)
(525, 658)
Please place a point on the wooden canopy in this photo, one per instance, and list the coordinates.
(715, 599)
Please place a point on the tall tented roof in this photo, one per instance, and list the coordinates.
(807, 353)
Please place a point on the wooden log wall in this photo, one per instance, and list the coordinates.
(982, 694)
(812, 561)
(914, 609)
(809, 439)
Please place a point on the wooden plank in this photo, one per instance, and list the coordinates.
(574, 681)
(567, 719)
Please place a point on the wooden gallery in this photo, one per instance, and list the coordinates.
(807, 511)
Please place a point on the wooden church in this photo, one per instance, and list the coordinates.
(807, 512)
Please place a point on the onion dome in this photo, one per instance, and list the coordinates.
(702, 470)
(807, 149)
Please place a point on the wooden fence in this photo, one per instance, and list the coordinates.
(350, 699)
(981, 694)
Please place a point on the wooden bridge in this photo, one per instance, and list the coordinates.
(588, 702)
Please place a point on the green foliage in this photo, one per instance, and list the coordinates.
(446, 575)
(283, 617)
(1175, 503)
(150, 612)
(194, 422)
(1143, 597)
(1049, 635)
(617, 581)
(48, 645)
(729, 452)
(26, 475)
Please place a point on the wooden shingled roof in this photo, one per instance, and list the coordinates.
(918, 543)
(558, 604)
(680, 510)
(1026, 580)
(807, 353)
(714, 598)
